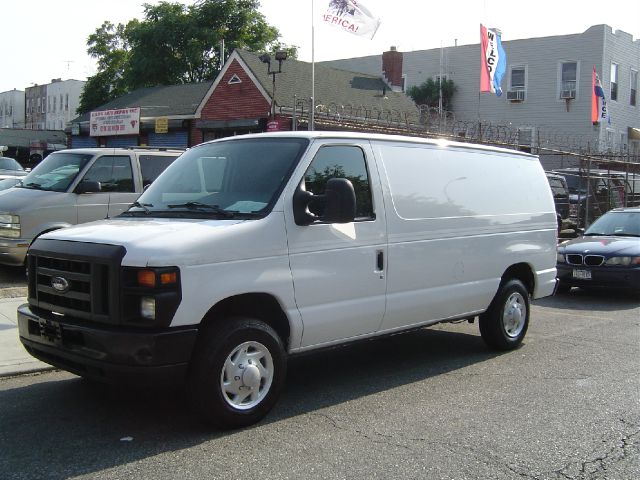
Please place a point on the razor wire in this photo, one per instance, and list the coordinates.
(430, 122)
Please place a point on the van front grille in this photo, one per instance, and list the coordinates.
(78, 280)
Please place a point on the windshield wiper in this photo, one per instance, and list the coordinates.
(142, 206)
(204, 206)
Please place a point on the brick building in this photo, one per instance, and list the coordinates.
(239, 101)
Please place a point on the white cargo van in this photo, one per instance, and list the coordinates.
(249, 249)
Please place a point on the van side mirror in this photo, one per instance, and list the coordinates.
(88, 186)
(339, 203)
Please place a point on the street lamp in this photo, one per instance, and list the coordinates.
(281, 56)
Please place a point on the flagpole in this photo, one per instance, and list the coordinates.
(313, 71)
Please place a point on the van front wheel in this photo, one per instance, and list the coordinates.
(237, 372)
(505, 323)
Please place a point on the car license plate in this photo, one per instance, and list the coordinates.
(582, 274)
(50, 331)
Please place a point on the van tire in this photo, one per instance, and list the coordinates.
(225, 391)
(504, 324)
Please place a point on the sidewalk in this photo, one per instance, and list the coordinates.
(14, 359)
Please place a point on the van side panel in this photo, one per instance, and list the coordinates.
(457, 219)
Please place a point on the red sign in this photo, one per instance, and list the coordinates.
(274, 125)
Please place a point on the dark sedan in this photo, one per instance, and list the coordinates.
(607, 256)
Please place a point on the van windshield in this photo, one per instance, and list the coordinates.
(238, 178)
(56, 172)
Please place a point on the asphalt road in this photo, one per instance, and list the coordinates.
(433, 404)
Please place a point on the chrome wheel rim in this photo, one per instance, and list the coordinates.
(514, 315)
(246, 375)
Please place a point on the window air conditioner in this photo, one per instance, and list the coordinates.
(515, 95)
(567, 94)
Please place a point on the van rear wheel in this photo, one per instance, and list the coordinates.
(504, 324)
(237, 372)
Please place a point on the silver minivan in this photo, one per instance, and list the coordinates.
(74, 186)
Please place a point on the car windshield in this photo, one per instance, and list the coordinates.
(7, 163)
(56, 172)
(622, 224)
(238, 178)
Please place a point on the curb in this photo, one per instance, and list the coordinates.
(27, 371)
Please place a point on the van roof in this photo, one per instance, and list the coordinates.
(378, 136)
(98, 150)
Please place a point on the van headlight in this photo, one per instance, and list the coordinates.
(151, 295)
(9, 226)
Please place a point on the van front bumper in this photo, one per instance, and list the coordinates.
(13, 251)
(108, 353)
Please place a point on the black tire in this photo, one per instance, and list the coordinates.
(216, 344)
(505, 323)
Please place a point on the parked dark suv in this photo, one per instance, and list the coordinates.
(560, 191)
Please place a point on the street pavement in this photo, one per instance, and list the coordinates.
(14, 359)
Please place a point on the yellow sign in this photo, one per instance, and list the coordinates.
(162, 125)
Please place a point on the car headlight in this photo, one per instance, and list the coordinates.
(622, 261)
(560, 258)
(9, 226)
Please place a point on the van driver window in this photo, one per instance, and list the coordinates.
(340, 162)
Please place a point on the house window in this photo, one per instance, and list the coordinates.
(55, 100)
(614, 81)
(518, 78)
(569, 76)
(66, 102)
(610, 134)
(633, 96)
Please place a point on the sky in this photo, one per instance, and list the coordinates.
(45, 39)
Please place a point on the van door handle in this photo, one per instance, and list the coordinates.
(380, 260)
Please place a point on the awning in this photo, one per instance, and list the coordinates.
(634, 133)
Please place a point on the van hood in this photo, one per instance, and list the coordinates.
(182, 241)
(15, 200)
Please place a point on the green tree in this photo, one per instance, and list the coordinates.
(174, 44)
(108, 45)
(428, 93)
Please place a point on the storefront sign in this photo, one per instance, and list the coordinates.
(162, 125)
(123, 121)
(275, 125)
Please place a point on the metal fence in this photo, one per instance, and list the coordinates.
(430, 122)
(557, 150)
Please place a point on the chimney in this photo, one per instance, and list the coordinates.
(392, 68)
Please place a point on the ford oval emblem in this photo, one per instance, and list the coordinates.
(60, 284)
